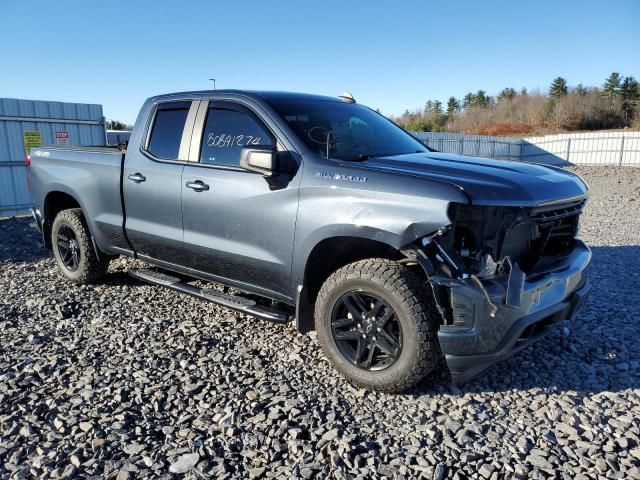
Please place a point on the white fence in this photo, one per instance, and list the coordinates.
(591, 148)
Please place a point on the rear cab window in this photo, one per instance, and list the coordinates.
(167, 129)
(229, 128)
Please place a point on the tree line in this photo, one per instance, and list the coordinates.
(616, 104)
(117, 125)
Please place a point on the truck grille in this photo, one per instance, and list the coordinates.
(561, 212)
(557, 230)
(533, 238)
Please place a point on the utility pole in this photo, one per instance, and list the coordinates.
(214, 82)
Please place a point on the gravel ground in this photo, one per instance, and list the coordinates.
(125, 380)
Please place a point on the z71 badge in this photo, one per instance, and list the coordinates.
(341, 178)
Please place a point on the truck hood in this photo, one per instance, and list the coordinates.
(487, 181)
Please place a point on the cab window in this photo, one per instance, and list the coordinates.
(167, 128)
(227, 130)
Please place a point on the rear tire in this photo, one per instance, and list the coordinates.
(396, 306)
(73, 248)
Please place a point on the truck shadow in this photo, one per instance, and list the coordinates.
(599, 352)
(20, 241)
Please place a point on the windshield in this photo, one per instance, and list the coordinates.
(345, 131)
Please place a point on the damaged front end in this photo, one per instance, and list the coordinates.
(501, 276)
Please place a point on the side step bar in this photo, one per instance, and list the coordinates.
(235, 302)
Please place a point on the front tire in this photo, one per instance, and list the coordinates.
(73, 249)
(377, 325)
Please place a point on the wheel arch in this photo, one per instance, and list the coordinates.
(56, 201)
(327, 256)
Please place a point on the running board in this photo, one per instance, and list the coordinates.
(234, 302)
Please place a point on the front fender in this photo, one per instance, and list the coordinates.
(395, 219)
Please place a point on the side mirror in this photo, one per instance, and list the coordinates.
(261, 159)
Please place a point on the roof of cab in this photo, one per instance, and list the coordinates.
(265, 95)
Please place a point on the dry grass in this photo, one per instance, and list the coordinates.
(504, 129)
(528, 114)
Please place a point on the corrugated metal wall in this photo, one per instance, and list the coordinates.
(83, 122)
(116, 137)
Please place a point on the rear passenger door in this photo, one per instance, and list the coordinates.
(152, 181)
(238, 225)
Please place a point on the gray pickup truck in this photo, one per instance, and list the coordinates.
(320, 211)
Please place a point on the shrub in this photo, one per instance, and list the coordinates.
(527, 114)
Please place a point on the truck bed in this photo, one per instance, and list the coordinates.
(92, 176)
(97, 148)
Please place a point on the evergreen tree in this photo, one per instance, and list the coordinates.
(437, 107)
(507, 94)
(428, 107)
(453, 106)
(467, 101)
(524, 92)
(581, 90)
(558, 87)
(630, 95)
(116, 125)
(612, 85)
(549, 108)
(480, 99)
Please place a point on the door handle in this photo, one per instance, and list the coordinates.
(137, 177)
(198, 186)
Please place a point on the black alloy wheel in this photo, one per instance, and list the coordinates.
(377, 325)
(73, 249)
(68, 248)
(366, 330)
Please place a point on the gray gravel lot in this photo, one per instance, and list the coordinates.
(125, 380)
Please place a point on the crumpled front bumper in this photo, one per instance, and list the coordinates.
(523, 312)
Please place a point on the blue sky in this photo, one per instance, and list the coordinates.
(391, 55)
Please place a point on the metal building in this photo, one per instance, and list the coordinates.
(31, 123)
(117, 137)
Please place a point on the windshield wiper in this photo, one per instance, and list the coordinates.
(367, 156)
(358, 158)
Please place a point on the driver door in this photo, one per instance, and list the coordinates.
(238, 227)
